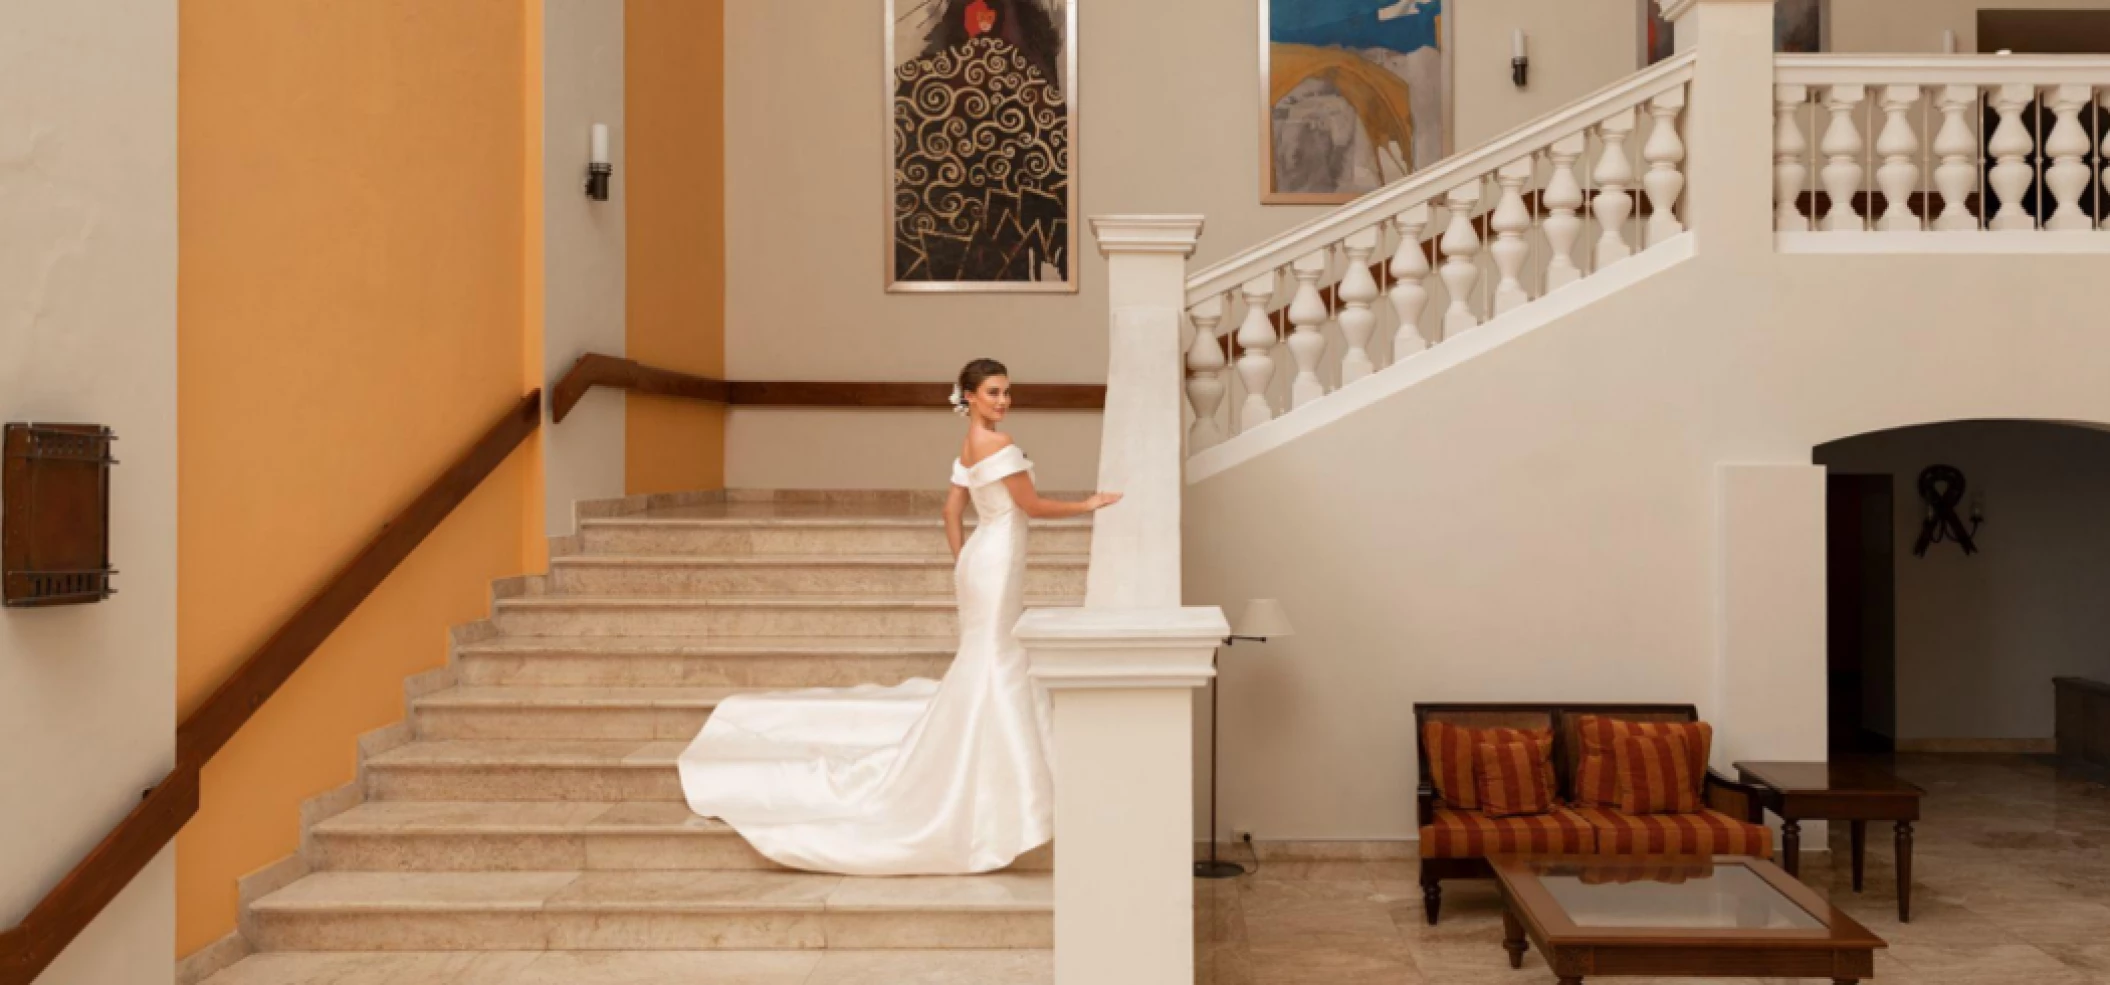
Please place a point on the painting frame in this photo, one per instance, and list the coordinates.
(895, 284)
(1446, 70)
(1651, 16)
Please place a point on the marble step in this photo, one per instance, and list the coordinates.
(532, 712)
(787, 575)
(416, 836)
(595, 770)
(1019, 966)
(748, 616)
(615, 910)
(774, 662)
(805, 535)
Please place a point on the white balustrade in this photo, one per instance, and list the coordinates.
(1501, 241)
(1789, 173)
(1957, 147)
(1899, 146)
(1410, 271)
(2066, 145)
(2010, 146)
(1842, 157)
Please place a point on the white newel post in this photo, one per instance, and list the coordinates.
(1730, 124)
(1121, 671)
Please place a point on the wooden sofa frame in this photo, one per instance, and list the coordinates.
(1738, 800)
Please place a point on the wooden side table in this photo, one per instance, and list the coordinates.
(1854, 792)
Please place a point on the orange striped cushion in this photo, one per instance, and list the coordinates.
(1596, 779)
(1471, 834)
(1655, 775)
(1512, 778)
(1703, 832)
(1450, 749)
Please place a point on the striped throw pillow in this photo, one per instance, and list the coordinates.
(1450, 751)
(1656, 775)
(1512, 780)
(1597, 779)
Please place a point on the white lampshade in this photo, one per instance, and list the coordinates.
(1263, 618)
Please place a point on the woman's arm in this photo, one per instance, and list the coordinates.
(955, 509)
(1029, 500)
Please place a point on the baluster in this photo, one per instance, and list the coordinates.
(1613, 174)
(1307, 312)
(1356, 290)
(1511, 220)
(1899, 173)
(1563, 196)
(1957, 146)
(1842, 170)
(2105, 107)
(1664, 151)
(1205, 382)
(1461, 247)
(2010, 145)
(1789, 145)
(1410, 267)
(2067, 176)
(1256, 366)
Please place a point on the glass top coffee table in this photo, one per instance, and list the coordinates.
(1728, 917)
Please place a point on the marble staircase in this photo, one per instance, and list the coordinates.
(525, 822)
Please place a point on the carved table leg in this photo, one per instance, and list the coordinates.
(1791, 846)
(1513, 938)
(1860, 843)
(1846, 981)
(1904, 871)
(1432, 899)
(1571, 980)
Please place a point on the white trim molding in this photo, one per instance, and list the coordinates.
(1147, 233)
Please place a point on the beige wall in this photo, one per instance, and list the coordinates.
(583, 275)
(1916, 25)
(1168, 122)
(1979, 638)
(88, 333)
(1564, 545)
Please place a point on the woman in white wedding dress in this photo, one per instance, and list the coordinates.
(926, 777)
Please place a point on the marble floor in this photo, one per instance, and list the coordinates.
(2011, 887)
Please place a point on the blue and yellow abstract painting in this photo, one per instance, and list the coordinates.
(1357, 95)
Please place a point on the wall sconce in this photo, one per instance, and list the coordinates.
(1519, 63)
(598, 170)
(1948, 41)
(1941, 487)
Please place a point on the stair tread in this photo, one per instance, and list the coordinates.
(1023, 966)
(521, 817)
(815, 560)
(574, 696)
(638, 753)
(715, 645)
(760, 601)
(633, 891)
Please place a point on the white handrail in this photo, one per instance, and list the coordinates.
(1435, 180)
(1822, 69)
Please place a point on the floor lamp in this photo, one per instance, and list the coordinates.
(1261, 619)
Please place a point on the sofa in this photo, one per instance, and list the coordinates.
(1456, 841)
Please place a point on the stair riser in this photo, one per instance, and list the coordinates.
(727, 621)
(565, 783)
(714, 670)
(501, 722)
(788, 579)
(663, 539)
(415, 930)
(559, 852)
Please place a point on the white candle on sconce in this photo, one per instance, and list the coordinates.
(1516, 44)
(599, 152)
(1948, 41)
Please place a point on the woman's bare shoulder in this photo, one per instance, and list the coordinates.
(982, 444)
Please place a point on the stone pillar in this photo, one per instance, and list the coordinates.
(1136, 544)
(1122, 682)
(1728, 124)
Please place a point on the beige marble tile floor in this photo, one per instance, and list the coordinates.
(2011, 887)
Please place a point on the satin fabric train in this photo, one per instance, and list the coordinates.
(923, 778)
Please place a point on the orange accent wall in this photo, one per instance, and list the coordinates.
(674, 122)
(351, 315)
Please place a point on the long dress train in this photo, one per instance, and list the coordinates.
(923, 778)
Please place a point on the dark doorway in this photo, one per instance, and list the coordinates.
(1860, 631)
(2044, 32)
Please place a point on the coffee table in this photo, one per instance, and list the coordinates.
(1855, 792)
(1724, 917)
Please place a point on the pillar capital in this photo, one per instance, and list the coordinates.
(1175, 234)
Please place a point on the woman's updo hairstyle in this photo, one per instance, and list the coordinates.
(972, 376)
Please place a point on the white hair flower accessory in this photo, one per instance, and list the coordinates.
(958, 401)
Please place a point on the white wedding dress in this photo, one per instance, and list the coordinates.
(923, 778)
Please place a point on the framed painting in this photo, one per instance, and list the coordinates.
(981, 101)
(1798, 26)
(1355, 94)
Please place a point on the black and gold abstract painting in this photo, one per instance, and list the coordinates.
(981, 186)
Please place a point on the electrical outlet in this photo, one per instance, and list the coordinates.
(1240, 833)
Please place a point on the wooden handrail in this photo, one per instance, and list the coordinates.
(594, 369)
(30, 946)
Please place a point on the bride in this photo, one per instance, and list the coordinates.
(926, 777)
